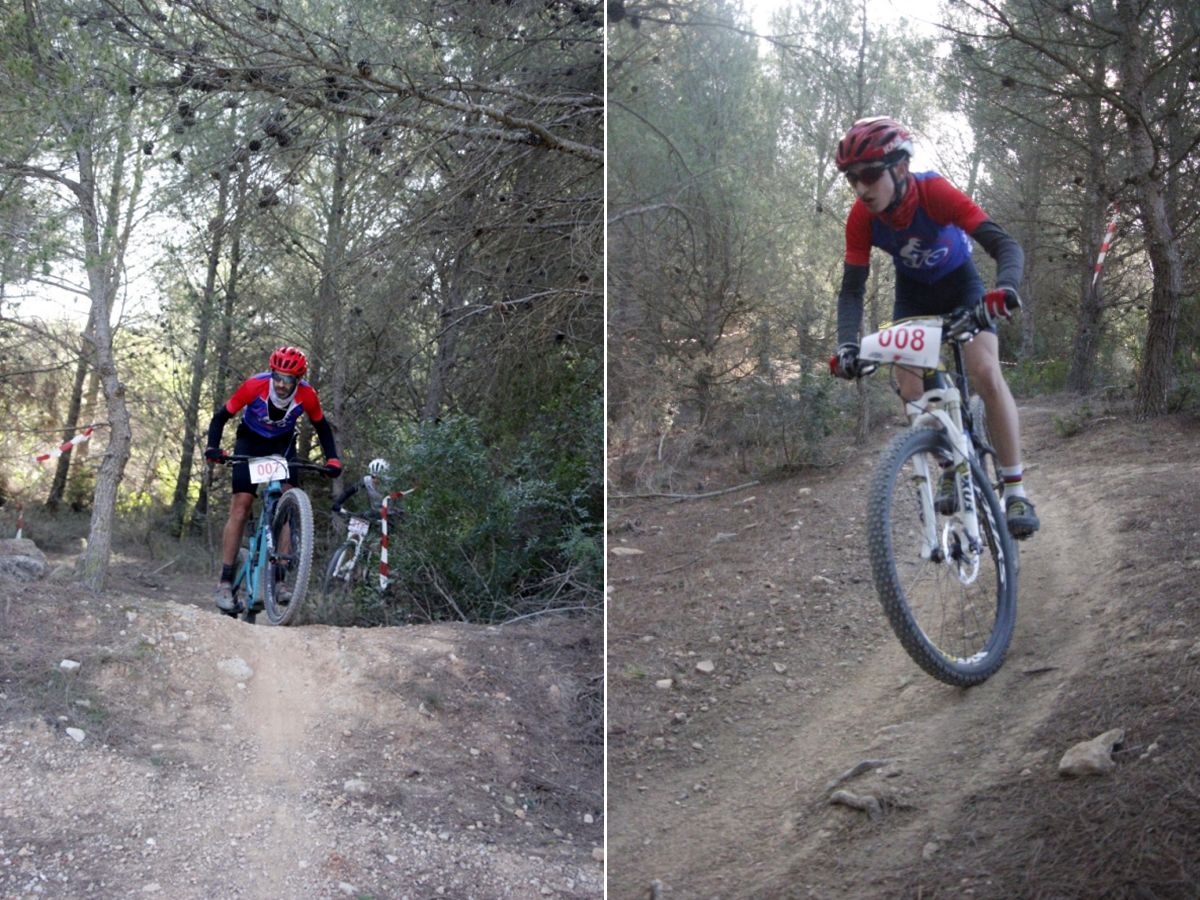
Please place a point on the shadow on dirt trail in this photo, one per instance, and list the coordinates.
(210, 758)
(750, 668)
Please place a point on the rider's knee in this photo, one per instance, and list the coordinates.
(239, 506)
(989, 382)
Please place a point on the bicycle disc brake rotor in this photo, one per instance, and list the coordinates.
(962, 561)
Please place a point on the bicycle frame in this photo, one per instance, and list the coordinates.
(941, 407)
(261, 550)
(357, 539)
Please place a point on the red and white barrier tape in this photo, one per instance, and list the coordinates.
(1108, 236)
(65, 446)
(383, 535)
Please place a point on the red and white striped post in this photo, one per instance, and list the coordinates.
(1108, 236)
(20, 519)
(383, 532)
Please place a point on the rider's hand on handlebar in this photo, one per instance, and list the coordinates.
(333, 467)
(1000, 304)
(844, 363)
(214, 455)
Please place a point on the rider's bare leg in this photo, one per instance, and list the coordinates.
(983, 368)
(235, 526)
(910, 384)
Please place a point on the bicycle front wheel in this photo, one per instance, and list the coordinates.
(952, 606)
(292, 534)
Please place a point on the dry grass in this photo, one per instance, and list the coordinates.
(38, 634)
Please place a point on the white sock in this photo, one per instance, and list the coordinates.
(1014, 485)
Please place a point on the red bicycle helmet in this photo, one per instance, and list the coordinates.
(875, 140)
(289, 361)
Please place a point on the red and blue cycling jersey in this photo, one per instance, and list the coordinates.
(253, 396)
(933, 242)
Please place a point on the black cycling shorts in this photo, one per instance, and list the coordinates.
(962, 287)
(250, 444)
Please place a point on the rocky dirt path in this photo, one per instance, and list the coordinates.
(219, 759)
(750, 667)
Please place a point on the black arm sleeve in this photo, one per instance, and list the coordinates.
(325, 434)
(345, 495)
(1004, 249)
(217, 425)
(850, 303)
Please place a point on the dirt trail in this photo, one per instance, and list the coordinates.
(226, 760)
(719, 783)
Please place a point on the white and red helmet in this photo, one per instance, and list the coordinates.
(878, 139)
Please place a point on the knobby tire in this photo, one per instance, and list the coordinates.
(293, 510)
(958, 633)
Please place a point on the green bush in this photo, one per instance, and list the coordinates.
(1031, 377)
(485, 541)
(773, 424)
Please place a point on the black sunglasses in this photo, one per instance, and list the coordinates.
(868, 175)
(289, 380)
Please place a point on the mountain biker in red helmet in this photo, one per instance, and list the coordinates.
(923, 222)
(273, 402)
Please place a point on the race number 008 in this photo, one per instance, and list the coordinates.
(904, 338)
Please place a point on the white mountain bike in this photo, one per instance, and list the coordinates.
(359, 565)
(944, 564)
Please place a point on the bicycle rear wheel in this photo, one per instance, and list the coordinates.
(291, 530)
(954, 611)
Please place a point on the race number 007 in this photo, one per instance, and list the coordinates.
(267, 468)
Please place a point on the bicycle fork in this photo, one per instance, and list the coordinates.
(964, 524)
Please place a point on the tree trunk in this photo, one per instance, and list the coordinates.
(1157, 370)
(1089, 322)
(336, 363)
(104, 261)
(225, 333)
(204, 327)
(58, 486)
(1032, 191)
(447, 339)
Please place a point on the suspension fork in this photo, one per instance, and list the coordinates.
(923, 485)
(947, 421)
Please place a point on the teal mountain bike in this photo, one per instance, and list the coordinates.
(273, 568)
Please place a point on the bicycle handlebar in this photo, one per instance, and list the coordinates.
(293, 464)
(958, 326)
(372, 516)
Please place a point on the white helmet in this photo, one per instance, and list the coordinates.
(378, 468)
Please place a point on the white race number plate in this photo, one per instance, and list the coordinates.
(268, 468)
(358, 526)
(916, 342)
